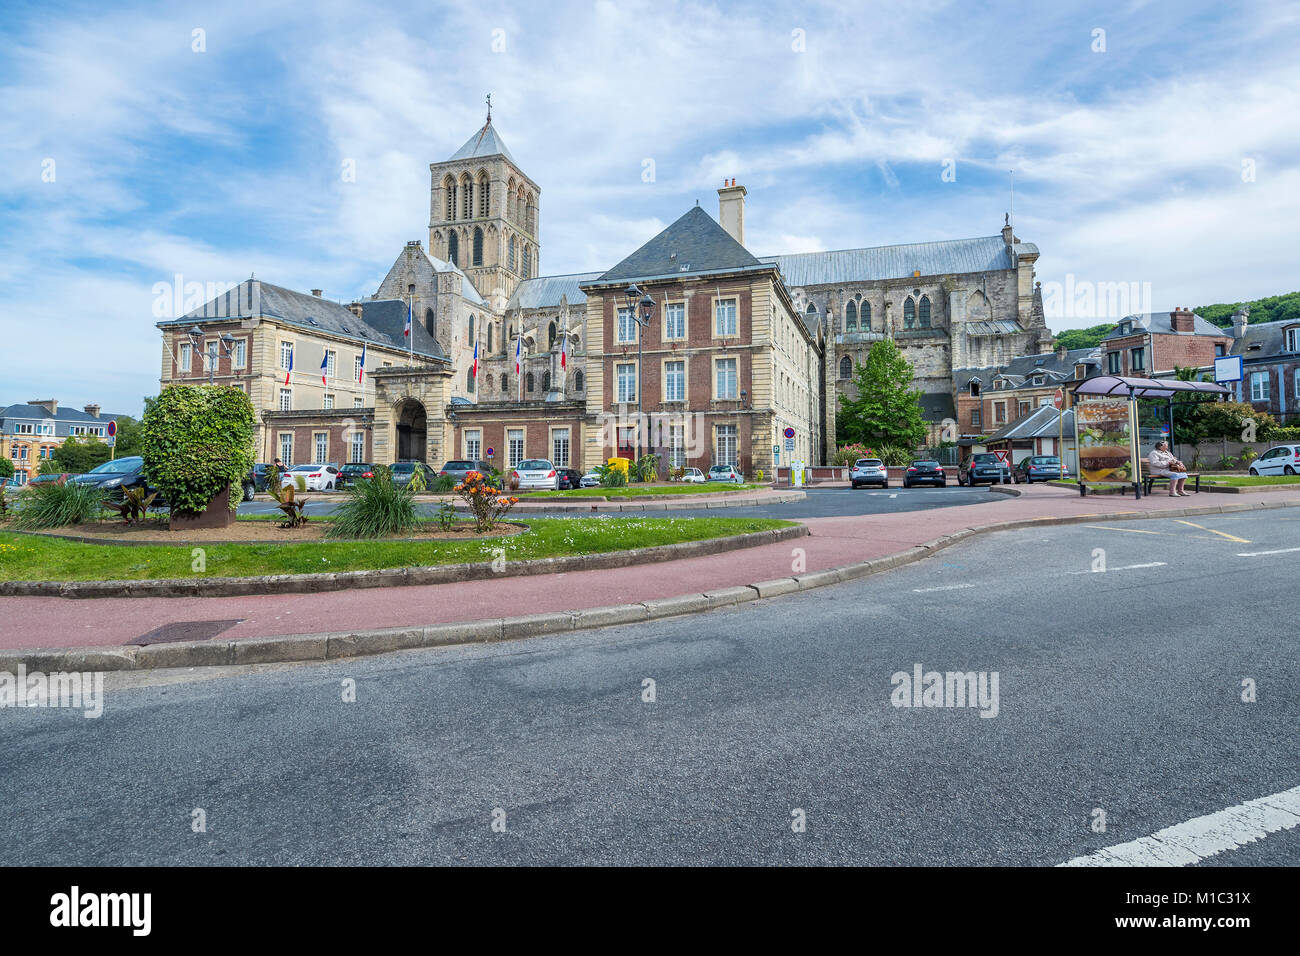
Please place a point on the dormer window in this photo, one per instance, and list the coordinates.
(1292, 338)
(975, 388)
(1125, 328)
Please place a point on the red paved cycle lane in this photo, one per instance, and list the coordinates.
(60, 622)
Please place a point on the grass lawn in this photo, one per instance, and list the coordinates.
(28, 558)
(635, 491)
(1246, 481)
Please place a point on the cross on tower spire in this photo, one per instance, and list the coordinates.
(489, 105)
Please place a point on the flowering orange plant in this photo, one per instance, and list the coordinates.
(486, 503)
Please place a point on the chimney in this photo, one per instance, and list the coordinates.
(316, 292)
(1240, 319)
(1180, 320)
(92, 411)
(731, 209)
(51, 405)
(1061, 352)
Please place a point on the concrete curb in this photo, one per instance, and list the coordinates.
(392, 577)
(615, 505)
(330, 646)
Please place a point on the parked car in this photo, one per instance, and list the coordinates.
(59, 479)
(255, 481)
(726, 473)
(403, 471)
(693, 476)
(354, 470)
(1039, 468)
(570, 478)
(536, 474)
(461, 467)
(317, 477)
(924, 471)
(590, 480)
(11, 484)
(114, 477)
(981, 468)
(1279, 460)
(868, 471)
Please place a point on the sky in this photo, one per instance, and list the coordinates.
(1153, 144)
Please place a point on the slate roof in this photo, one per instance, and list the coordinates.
(1023, 366)
(1269, 336)
(544, 292)
(945, 257)
(695, 244)
(1039, 423)
(485, 142)
(1160, 323)
(467, 287)
(63, 419)
(936, 406)
(255, 298)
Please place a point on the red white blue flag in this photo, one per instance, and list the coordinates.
(519, 344)
(361, 369)
(324, 367)
(289, 371)
(476, 359)
(407, 331)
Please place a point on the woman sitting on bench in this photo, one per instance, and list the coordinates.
(1160, 462)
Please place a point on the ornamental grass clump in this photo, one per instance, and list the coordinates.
(57, 505)
(375, 508)
(486, 502)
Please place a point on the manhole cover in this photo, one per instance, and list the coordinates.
(185, 631)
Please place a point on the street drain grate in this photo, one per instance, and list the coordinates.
(185, 631)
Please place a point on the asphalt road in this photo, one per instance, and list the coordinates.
(822, 502)
(1119, 690)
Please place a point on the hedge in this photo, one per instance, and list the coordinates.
(197, 440)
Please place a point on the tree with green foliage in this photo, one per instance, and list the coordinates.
(887, 410)
(78, 455)
(128, 439)
(1276, 308)
(196, 441)
(6, 468)
(1231, 420)
(1083, 338)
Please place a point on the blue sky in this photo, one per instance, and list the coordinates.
(1132, 164)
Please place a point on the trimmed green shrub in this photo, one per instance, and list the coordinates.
(55, 505)
(197, 440)
(375, 508)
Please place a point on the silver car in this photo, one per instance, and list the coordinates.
(868, 471)
(537, 474)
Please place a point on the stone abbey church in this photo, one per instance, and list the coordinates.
(742, 350)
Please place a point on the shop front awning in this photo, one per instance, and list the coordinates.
(1120, 386)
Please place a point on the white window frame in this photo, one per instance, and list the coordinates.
(474, 444)
(327, 400)
(718, 365)
(1293, 339)
(674, 321)
(626, 327)
(514, 435)
(187, 357)
(720, 457)
(675, 373)
(240, 357)
(726, 318)
(286, 399)
(676, 446)
(286, 355)
(625, 382)
(24, 428)
(1259, 386)
(286, 449)
(357, 447)
(331, 363)
(356, 368)
(561, 446)
(320, 449)
(358, 403)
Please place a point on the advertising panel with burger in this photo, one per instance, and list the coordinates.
(1103, 434)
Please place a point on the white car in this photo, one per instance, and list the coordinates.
(1279, 460)
(590, 480)
(537, 474)
(694, 476)
(725, 473)
(317, 477)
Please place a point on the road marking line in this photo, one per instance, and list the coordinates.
(1222, 534)
(1256, 554)
(950, 587)
(1129, 530)
(1127, 567)
(1201, 837)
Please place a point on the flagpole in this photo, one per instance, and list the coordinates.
(410, 319)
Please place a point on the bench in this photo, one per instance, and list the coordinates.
(1148, 481)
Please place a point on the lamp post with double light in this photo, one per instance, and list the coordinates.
(641, 307)
(227, 345)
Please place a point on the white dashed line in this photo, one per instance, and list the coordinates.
(950, 587)
(1200, 837)
(1257, 554)
(1127, 567)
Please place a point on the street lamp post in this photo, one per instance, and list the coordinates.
(642, 308)
(227, 346)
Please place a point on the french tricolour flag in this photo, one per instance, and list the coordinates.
(476, 359)
(407, 331)
(361, 372)
(324, 368)
(519, 343)
(289, 370)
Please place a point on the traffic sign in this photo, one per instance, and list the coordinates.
(789, 433)
(1059, 398)
(789, 444)
(112, 428)
(491, 451)
(776, 453)
(1003, 456)
(112, 441)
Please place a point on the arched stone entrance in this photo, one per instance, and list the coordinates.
(412, 431)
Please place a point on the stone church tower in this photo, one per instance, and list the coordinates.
(483, 216)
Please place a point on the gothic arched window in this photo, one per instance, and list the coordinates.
(471, 328)
(811, 310)
(469, 380)
(449, 188)
(909, 313)
(923, 316)
(546, 381)
(577, 381)
(510, 254)
(466, 198)
(550, 336)
(846, 367)
(851, 316)
(528, 382)
(453, 248)
(430, 322)
(482, 196)
(489, 348)
(478, 247)
(505, 382)
(864, 317)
